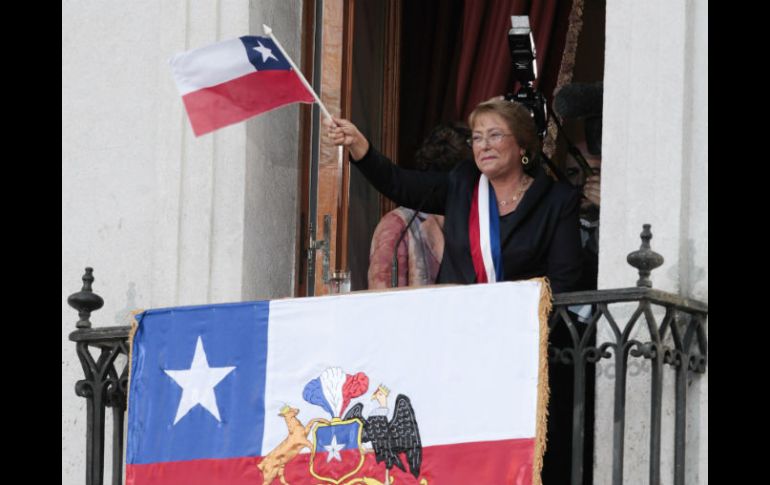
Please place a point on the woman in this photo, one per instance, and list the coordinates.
(422, 246)
(505, 219)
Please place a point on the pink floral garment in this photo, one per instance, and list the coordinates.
(419, 253)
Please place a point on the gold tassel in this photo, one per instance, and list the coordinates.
(131, 334)
(543, 391)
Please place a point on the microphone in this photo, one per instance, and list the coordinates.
(394, 264)
(579, 100)
(583, 101)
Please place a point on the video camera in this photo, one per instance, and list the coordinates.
(573, 100)
(524, 65)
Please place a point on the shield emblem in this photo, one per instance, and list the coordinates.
(337, 453)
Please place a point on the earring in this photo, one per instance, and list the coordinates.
(524, 160)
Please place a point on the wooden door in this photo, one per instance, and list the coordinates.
(355, 70)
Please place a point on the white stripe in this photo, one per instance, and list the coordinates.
(210, 65)
(466, 356)
(486, 244)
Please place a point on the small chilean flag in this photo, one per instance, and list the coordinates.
(234, 80)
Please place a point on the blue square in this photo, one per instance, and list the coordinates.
(232, 336)
(264, 54)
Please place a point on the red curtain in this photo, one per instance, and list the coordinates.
(484, 68)
(430, 50)
(455, 55)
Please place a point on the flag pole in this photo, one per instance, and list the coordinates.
(340, 154)
(269, 33)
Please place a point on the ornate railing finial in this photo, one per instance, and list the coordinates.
(86, 301)
(645, 259)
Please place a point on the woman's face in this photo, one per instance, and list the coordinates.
(495, 150)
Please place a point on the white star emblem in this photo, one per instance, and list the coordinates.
(198, 384)
(266, 53)
(334, 450)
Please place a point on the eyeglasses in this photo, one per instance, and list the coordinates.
(493, 138)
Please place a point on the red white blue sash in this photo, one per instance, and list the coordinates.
(484, 233)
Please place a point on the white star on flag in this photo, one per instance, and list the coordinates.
(334, 450)
(266, 53)
(198, 384)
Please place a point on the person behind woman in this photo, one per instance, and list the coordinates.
(505, 218)
(422, 246)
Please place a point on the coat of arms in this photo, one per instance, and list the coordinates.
(339, 445)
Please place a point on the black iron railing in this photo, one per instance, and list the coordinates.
(104, 386)
(678, 340)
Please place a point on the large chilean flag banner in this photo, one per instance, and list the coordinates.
(231, 81)
(441, 385)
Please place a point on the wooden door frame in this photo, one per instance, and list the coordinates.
(391, 84)
(338, 24)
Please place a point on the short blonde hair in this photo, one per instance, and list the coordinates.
(516, 116)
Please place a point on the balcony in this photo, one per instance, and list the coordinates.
(605, 333)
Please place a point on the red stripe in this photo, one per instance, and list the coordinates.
(507, 462)
(241, 98)
(232, 471)
(474, 232)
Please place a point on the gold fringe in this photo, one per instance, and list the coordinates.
(543, 390)
(131, 335)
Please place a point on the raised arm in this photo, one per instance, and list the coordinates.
(416, 189)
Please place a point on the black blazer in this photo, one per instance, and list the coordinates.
(544, 237)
